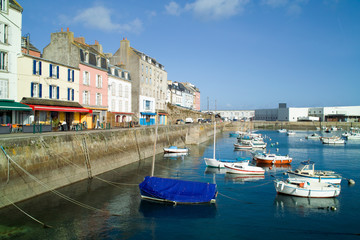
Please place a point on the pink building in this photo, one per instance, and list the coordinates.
(92, 65)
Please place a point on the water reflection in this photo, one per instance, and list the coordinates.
(239, 178)
(175, 156)
(212, 170)
(151, 209)
(305, 205)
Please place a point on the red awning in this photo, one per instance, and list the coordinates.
(59, 109)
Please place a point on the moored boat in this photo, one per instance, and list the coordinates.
(243, 146)
(218, 163)
(283, 130)
(332, 140)
(313, 136)
(244, 168)
(177, 191)
(175, 149)
(306, 171)
(301, 188)
(290, 132)
(270, 158)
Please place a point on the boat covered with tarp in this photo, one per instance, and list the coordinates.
(177, 191)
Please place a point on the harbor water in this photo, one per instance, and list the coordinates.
(247, 207)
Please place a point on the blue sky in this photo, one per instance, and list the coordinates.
(243, 54)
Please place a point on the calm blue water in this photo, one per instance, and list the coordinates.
(246, 208)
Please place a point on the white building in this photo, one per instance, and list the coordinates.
(237, 114)
(119, 94)
(340, 114)
(10, 47)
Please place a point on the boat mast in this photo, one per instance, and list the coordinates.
(214, 131)
(156, 133)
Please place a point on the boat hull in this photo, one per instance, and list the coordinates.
(244, 147)
(323, 179)
(214, 163)
(245, 170)
(178, 150)
(310, 190)
(280, 160)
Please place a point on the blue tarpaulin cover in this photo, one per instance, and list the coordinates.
(176, 190)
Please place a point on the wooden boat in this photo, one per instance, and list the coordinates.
(177, 191)
(301, 188)
(174, 149)
(306, 171)
(332, 140)
(270, 158)
(244, 168)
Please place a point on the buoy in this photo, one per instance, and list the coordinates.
(333, 208)
(277, 149)
(284, 173)
(277, 143)
(351, 182)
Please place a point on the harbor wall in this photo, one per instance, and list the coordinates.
(47, 162)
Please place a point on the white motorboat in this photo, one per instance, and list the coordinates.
(258, 144)
(306, 171)
(313, 136)
(283, 130)
(332, 140)
(290, 132)
(174, 149)
(243, 146)
(301, 188)
(244, 167)
(218, 163)
(354, 136)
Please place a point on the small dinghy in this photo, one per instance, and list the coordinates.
(175, 149)
(244, 167)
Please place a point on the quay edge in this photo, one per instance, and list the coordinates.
(58, 159)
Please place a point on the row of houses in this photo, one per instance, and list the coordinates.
(184, 95)
(75, 82)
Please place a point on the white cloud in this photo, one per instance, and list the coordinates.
(173, 9)
(216, 9)
(99, 17)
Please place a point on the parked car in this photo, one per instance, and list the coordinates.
(189, 120)
(180, 121)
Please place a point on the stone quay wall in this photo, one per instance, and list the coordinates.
(49, 161)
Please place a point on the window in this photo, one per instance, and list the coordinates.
(120, 90)
(4, 89)
(86, 78)
(113, 89)
(98, 99)
(4, 33)
(71, 75)
(86, 57)
(36, 67)
(54, 92)
(147, 105)
(3, 60)
(86, 97)
(70, 93)
(36, 90)
(3, 5)
(113, 105)
(54, 71)
(120, 106)
(146, 70)
(98, 61)
(98, 81)
(126, 92)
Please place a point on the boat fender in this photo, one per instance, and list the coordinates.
(351, 182)
(282, 186)
(333, 208)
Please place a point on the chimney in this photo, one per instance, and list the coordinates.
(62, 29)
(67, 29)
(96, 42)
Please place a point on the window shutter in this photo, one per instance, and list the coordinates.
(34, 67)
(72, 94)
(40, 90)
(68, 94)
(32, 90)
(50, 91)
(39, 67)
(57, 92)
(73, 75)
(57, 72)
(68, 75)
(50, 66)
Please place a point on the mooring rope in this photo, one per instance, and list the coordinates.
(57, 192)
(27, 214)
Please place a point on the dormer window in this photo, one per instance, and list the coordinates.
(112, 71)
(86, 57)
(98, 61)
